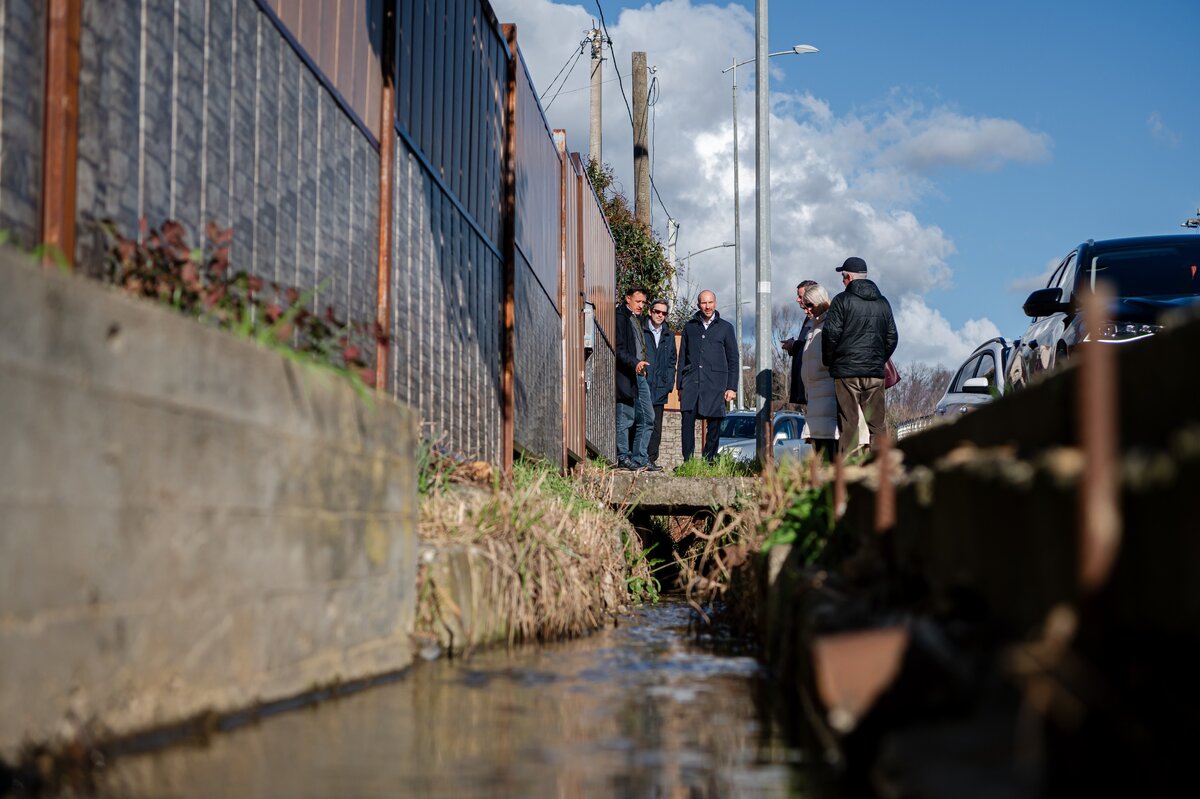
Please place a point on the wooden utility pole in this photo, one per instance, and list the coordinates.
(641, 141)
(596, 149)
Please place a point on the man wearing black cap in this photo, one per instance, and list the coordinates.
(858, 339)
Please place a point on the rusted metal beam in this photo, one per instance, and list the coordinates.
(509, 248)
(60, 133)
(1099, 502)
(885, 491)
(387, 167)
(560, 140)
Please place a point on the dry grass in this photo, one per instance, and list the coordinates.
(561, 564)
(725, 555)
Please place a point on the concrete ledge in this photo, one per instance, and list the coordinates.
(676, 496)
(189, 522)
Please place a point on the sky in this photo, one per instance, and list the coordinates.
(961, 148)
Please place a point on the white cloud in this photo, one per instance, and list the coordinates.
(841, 184)
(1160, 131)
(926, 335)
(1030, 282)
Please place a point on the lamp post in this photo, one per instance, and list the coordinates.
(799, 49)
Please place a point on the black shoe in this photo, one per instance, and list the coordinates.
(625, 466)
(653, 467)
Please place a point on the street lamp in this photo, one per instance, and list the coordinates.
(799, 49)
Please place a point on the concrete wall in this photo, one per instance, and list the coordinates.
(189, 521)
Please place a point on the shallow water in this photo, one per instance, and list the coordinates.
(640, 710)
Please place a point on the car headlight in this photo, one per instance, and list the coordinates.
(1126, 331)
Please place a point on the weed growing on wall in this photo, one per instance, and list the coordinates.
(641, 259)
(203, 284)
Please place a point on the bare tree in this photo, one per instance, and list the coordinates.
(917, 393)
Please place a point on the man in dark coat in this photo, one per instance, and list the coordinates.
(795, 348)
(858, 338)
(708, 372)
(632, 383)
(660, 342)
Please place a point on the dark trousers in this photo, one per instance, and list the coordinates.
(712, 435)
(855, 394)
(656, 434)
(826, 448)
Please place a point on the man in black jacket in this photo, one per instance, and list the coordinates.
(632, 384)
(858, 338)
(708, 369)
(795, 348)
(660, 342)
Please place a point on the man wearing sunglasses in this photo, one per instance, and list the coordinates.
(660, 347)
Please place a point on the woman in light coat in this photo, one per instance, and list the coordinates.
(821, 417)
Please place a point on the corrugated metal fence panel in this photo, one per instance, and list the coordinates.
(599, 287)
(22, 78)
(538, 324)
(574, 391)
(204, 111)
(451, 63)
(539, 175)
(539, 373)
(344, 39)
(599, 262)
(446, 284)
(447, 268)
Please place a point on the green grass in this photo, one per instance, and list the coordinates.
(723, 466)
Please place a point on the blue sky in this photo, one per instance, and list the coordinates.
(960, 147)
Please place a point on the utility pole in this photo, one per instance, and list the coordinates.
(641, 141)
(737, 250)
(672, 237)
(596, 148)
(762, 233)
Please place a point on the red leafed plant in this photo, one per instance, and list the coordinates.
(200, 282)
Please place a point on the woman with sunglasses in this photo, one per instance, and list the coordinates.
(821, 420)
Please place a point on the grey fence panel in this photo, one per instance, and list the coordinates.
(602, 399)
(266, 150)
(107, 166)
(187, 132)
(539, 394)
(22, 76)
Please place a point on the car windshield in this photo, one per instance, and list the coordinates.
(737, 427)
(1160, 270)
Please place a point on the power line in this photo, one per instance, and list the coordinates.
(560, 71)
(564, 80)
(625, 97)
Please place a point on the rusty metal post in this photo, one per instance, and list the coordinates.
(885, 491)
(814, 469)
(387, 166)
(1099, 503)
(509, 248)
(560, 141)
(60, 132)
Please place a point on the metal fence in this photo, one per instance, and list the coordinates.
(266, 116)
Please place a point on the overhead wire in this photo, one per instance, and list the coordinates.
(575, 55)
(564, 80)
(625, 97)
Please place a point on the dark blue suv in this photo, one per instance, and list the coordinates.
(1148, 276)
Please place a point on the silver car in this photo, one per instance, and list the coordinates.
(738, 440)
(978, 381)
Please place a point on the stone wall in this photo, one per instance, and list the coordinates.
(190, 522)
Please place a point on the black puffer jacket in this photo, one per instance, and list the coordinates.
(860, 332)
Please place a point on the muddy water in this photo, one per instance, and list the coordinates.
(639, 710)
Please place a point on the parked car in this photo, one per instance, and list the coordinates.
(1149, 276)
(738, 440)
(980, 379)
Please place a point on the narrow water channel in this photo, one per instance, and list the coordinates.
(640, 710)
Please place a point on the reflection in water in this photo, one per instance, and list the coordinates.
(635, 711)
